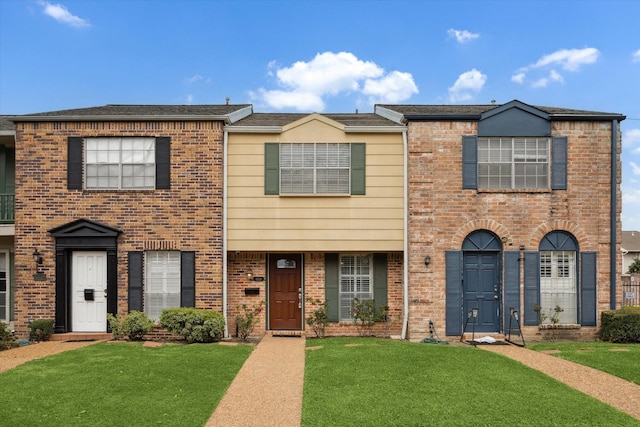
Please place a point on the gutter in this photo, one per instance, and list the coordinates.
(224, 234)
(405, 261)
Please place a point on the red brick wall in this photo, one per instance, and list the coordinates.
(187, 217)
(442, 214)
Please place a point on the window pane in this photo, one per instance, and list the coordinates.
(558, 286)
(162, 282)
(109, 163)
(321, 168)
(356, 281)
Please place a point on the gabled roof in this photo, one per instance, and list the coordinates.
(116, 112)
(402, 113)
(352, 122)
(631, 241)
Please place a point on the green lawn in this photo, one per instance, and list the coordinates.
(120, 384)
(621, 360)
(369, 382)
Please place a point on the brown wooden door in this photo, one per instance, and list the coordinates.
(285, 291)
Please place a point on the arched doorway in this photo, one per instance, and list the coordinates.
(482, 279)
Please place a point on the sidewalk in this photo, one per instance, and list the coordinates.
(268, 389)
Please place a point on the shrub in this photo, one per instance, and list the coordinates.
(317, 320)
(6, 338)
(195, 325)
(133, 326)
(41, 329)
(621, 326)
(246, 319)
(365, 314)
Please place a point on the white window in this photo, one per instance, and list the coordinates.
(356, 281)
(162, 282)
(4, 287)
(315, 168)
(558, 286)
(120, 163)
(513, 163)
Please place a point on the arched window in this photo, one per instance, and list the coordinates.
(558, 278)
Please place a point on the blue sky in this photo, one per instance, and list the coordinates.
(327, 56)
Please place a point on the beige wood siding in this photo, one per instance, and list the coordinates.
(373, 222)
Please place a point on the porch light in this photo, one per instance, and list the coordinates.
(37, 258)
(427, 260)
(249, 274)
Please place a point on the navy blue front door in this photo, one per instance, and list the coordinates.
(481, 290)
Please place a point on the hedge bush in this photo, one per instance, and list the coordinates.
(134, 326)
(621, 326)
(6, 338)
(41, 330)
(195, 325)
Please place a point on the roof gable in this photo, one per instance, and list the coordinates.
(514, 119)
(315, 117)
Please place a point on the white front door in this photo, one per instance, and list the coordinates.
(89, 286)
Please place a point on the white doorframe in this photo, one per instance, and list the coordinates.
(88, 291)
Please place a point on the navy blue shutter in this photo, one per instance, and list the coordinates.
(135, 281)
(511, 288)
(453, 310)
(271, 168)
(380, 279)
(588, 289)
(531, 287)
(559, 155)
(187, 279)
(163, 162)
(331, 286)
(74, 163)
(469, 162)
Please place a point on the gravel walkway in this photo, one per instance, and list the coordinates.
(621, 394)
(268, 389)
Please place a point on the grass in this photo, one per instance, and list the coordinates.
(120, 384)
(620, 360)
(356, 382)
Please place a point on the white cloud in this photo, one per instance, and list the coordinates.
(61, 14)
(635, 169)
(189, 99)
(462, 36)
(304, 85)
(467, 86)
(631, 138)
(635, 56)
(567, 59)
(193, 79)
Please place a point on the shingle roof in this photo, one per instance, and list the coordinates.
(631, 241)
(282, 119)
(136, 112)
(6, 125)
(477, 110)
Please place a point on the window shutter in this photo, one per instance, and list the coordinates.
(531, 287)
(187, 279)
(74, 163)
(331, 286)
(453, 262)
(559, 156)
(469, 162)
(588, 289)
(135, 281)
(112, 281)
(163, 162)
(511, 289)
(358, 169)
(271, 168)
(380, 279)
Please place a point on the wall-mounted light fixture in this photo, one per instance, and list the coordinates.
(522, 247)
(249, 274)
(427, 260)
(37, 258)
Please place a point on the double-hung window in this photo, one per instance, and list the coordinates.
(356, 281)
(558, 286)
(162, 282)
(120, 163)
(513, 163)
(320, 168)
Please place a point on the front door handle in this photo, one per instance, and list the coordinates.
(105, 293)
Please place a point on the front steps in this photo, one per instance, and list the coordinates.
(81, 336)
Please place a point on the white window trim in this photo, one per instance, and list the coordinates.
(170, 285)
(515, 161)
(342, 188)
(121, 163)
(559, 286)
(7, 270)
(344, 305)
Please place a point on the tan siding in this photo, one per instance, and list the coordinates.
(369, 222)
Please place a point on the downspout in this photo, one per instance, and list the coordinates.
(224, 232)
(405, 260)
(614, 211)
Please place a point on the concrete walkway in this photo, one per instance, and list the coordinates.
(268, 389)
